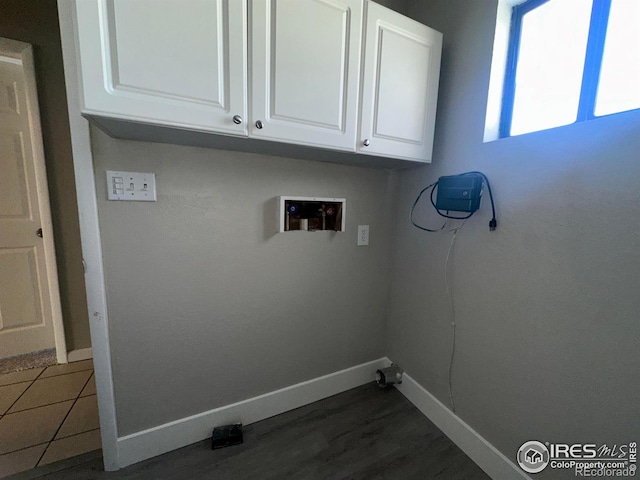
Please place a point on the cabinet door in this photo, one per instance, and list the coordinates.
(305, 71)
(170, 62)
(399, 86)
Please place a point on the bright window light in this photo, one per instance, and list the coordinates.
(619, 88)
(551, 59)
(570, 61)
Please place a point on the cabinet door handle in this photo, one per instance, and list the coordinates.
(237, 119)
(259, 125)
(366, 142)
(39, 232)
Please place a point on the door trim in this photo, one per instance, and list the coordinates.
(80, 354)
(23, 53)
(89, 236)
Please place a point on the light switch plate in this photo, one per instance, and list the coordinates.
(131, 186)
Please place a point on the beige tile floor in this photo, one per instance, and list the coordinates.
(46, 415)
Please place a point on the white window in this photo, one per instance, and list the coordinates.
(570, 61)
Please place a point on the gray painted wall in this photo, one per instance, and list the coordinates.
(547, 305)
(207, 305)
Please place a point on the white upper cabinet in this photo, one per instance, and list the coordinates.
(344, 75)
(305, 70)
(399, 86)
(170, 62)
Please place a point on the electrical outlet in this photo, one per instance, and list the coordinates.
(363, 235)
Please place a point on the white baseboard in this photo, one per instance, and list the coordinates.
(155, 441)
(485, 455)
(170, 436)
(80, 354)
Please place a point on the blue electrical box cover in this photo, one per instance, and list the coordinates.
(459, 193)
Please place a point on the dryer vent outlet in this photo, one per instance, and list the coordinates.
(226, 436)
(385, 377)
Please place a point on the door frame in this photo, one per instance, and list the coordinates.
(23, 54)
(89, 236)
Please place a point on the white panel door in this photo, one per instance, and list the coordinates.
(305, 71)
(29, 298)
(169, 62)
(399, 86)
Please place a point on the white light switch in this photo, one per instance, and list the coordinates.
(363, 235)
(132, 186)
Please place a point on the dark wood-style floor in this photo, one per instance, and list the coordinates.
(365, 433)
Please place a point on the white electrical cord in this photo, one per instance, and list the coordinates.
(453, 312)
